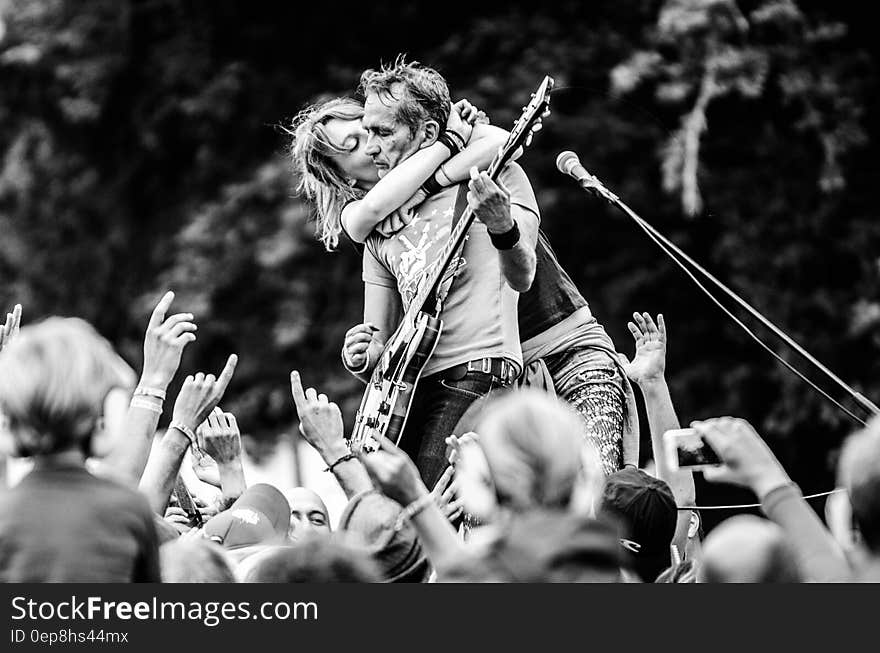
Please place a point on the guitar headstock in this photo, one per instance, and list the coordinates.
(528, 123)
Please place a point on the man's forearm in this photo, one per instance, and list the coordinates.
(820, 558)
(350, 474)
(162, 468)
(129, 458)
(518, 266)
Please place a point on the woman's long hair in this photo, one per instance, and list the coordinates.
(320, 181)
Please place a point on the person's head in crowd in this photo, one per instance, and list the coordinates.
(307, 513)
(645, 508)
(315, 558)
(859, 473)
(55, 389)
(545, 546)
(259, 517)
(528, 452)
(748, 549)
(194, 560)
(370, 523)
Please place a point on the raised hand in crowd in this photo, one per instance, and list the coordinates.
(649, 363)
(395, 475)
(164, 342)
(647, 369)
(748, 462)
(199, 396)
(219, 438)
(10, 329)
(320, 422)
(445, 495)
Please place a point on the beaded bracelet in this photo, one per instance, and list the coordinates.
(341, 459)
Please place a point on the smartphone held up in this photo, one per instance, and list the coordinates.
(686, 449)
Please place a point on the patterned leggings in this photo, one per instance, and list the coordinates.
(590, 381)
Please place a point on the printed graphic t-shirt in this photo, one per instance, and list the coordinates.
(480, 313)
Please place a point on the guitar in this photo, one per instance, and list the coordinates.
(389, 393)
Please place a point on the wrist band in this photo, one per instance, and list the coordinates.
(431, 186)
(341, 459)
(413, 509)
(183, 428)
(353, 371)
(507, 239)
(450, 142)
(137, 402)
(458, 138)
(149, 392)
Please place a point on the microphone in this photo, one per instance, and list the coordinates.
(568, 164)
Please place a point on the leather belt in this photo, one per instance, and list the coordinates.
(501, 368)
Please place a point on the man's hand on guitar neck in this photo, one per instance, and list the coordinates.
(361, 349)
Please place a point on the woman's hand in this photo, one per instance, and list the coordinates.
(164, 343)
(458, 123)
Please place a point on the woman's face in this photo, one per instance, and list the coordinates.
(354, 162)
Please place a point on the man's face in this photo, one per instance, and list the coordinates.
(308, 513)
(389, 141)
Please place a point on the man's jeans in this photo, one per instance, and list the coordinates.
(590, 381)
(437, 406)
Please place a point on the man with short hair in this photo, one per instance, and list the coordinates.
(308, 513)
(479, 348)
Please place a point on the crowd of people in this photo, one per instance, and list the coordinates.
(519, 458)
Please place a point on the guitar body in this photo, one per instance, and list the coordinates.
(389, 393)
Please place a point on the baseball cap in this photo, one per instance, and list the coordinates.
(261, 515)
(647, 508)
(372, 519)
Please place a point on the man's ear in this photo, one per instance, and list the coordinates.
(432, 133)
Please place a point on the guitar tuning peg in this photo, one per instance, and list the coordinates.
(546, 113)
(529, 139)
(538, 127)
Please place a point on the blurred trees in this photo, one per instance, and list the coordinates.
(140, 150)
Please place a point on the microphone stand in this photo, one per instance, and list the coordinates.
(592, 184)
